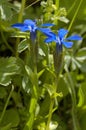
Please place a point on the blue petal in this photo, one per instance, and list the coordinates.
(62, 33)
(17, 25)
(47, 24)
(25, 28)
(74, 37)
(67, 44)
(48, 40)
(44, 29)
(51, 34)
(21, 26)
(47, 32)
(29, 22)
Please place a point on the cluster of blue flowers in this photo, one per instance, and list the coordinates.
(59, 38)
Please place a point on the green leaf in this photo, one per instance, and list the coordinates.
(81, 54)
(44, 106)
(3, 92)
(18, 33)
(23, 45)
(41, 72)
(75, 63)
(62, 87)
(50, 88)
(61, 122)
(7, 127)
(32, 75)
(6, 9)
(82, 95)
(8, 67)
(17, 99)
(83, 67)
(5, 79)
(26, 84)
(29, 72)
(11, 117)
(83, 120)
(41, 52)
(63, 19)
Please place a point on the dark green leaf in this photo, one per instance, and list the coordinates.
(3, 92)
(11, 117)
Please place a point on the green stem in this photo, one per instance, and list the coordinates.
(57, 6)
(6, 43)
(21, 11)
(6, 104)
(48, 59)
(52, 104)
(32, 4)
(34, 97)
(50, 113)
(72, 6)
(73, 97)
(32, 109)
(72, 21)
(20, 20)
(58, 67)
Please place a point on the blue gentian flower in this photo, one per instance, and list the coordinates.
(61, 39)
(30, 25)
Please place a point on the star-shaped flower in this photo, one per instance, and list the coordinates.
(60, 39)
(30, 25)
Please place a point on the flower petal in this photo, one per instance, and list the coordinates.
(47, 24)
(17, 25)
(25, 28)
(74, 37)
(47, 32)
(44, 29)
(67, 44)
(30, 22)
(49, 39)
(20, 26)
(50, 34)
(62, 32)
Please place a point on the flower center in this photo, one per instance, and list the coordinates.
(58, 40)
(32, 28)
(29, 27)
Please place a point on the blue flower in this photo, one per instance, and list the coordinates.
(60, 39)
(30, 25)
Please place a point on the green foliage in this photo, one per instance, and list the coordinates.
(8, 118)
(30, 68)
(23, 45)
(3, 93)
(8, 67)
